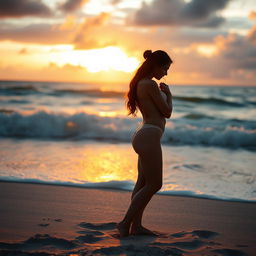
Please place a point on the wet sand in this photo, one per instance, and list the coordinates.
(61, 220)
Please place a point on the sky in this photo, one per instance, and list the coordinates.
(211, 42)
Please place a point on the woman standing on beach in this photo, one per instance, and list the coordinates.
(155, 104)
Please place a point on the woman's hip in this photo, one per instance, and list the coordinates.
(146, 137)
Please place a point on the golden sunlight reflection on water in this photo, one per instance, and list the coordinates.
(70, 162)
(106, 164)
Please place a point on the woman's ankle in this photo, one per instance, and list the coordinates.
(136, 225)
(124, 223)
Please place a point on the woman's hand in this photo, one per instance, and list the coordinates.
(165, 88)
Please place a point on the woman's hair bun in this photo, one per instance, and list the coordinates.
(147, 54)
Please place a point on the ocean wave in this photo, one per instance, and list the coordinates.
(18, 90)
(209, 101)
(228, 137)
(92, 93)
(6, 111)
(28, 90)
(46, 125)
(196, 116)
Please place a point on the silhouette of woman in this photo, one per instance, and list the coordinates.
(155, 104)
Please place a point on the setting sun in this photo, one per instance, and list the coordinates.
(95, 60)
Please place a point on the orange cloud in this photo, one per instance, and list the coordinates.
(70, 23)
(89, 36)
(252, 15)
(252, 35)
(23, 51)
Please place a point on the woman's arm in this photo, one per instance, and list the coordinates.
(165, 107)
(169, 102)
(165, 88)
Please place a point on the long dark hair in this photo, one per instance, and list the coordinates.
(157, 58)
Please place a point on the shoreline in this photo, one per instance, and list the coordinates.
(49, 218)
(82, 186)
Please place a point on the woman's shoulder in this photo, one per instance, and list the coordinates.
(147, 81)
(147, 87)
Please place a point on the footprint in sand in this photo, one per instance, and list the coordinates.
(47, 224)
(98, 226)
(111, 226)
(204, 234)
(181, 243)
(88, 238)
(229, 252)
(58, 220)
(44, 224)
(189, 241)
(40, 241)
(92, 233)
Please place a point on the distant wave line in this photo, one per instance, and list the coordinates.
(29, 89)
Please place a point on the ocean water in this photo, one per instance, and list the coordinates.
(80, 135)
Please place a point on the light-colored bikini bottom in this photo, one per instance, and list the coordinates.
(144, 126)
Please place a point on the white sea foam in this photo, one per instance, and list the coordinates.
(85, 126)
(126, 186)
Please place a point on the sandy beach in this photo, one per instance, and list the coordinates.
(41, 219)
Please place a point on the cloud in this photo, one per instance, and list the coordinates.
(69, 72)
(21, 8)
(23, 51)
(70, 67)
(115, 2)
(89, 34)
(199, 13)
(72, 5)
(202, 8)
(36, 33)
(252, 35)
(233, 60)
(239, 51)
(92, 32)
(252, 15)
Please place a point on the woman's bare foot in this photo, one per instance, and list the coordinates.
(123, 229)
(140, 230)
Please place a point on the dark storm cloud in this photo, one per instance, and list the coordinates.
(200, 13)
(20, 8)
(202, 8)
(72, 5)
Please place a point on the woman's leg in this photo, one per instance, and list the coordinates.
(137, 220)
(136, 226)
(148, 146)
